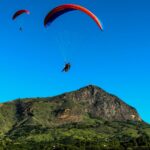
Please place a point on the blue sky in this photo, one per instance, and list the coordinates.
(116, 60)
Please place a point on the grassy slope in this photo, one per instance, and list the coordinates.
(91, 133)
(46, 124)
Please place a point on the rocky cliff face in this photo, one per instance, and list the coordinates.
(100, 104)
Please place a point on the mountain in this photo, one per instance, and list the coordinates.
(88, 118)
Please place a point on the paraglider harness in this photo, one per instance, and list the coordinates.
(67, 67)
(20, 29)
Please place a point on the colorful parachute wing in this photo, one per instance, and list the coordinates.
(59, 10)
(20, 12)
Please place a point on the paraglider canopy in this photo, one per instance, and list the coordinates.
(20, 12)
(59, 10)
